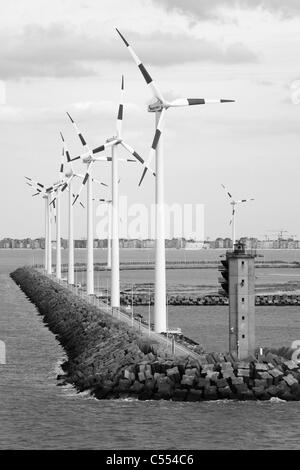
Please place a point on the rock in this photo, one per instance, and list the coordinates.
(290, 380)
(179, 394)
(260, 393)
(148, 374)
(225, 392)
(239, 388)
(221, 383)
(136, 387)
(246, 395)
(146, 394)
(213, 376)
(290, 365)
(210, 393)
(194, 395)
(124, 385)
(273, 391)
(243, 372)
(150, 384)
(226, 366)
(228, 374)
(261, 367)
(237, 380)
(174, 374)
(207, 368)
(242, 365)
(295, 390)
(165, 388)
(202, 382)
(191, 372)
(187, 381)
(202, 359)
(141, 377)
(260, 383)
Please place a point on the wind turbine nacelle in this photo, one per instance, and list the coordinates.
(87, 159)
(155, 107)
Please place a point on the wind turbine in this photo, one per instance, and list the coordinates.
(159, 108)
(112, 143)
(46, 194)
(234, 203)
(70, 174)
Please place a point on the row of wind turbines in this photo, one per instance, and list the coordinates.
(90, 157)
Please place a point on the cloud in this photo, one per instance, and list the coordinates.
(60, 51)
(208, 9)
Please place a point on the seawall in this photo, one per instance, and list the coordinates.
(112, 360)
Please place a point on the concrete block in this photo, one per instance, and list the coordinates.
(289, 380)
(179, 395)
(243, 372)
(259, 366)
(148, 374)
(263, 375)
(127, 374)
(210, 393)
(275, 372)
(227, 374)
(221, 383)
(225, 392)
(194, 395)
(226, 366)
(207, 367)
(260, 383)
(290, 365)
(213, 376)
(237, 380)
(202, 382)
(141, 377)
(191, 372)
(202, 359)
(187, 381)
(242, 365)
(246, 395)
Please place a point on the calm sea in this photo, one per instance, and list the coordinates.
(35, 413)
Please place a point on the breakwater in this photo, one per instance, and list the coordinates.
(112, 360)
(175, 264)
(143, 299)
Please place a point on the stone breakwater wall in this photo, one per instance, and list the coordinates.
(112, 361)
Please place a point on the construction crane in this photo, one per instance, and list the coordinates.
(279, 232)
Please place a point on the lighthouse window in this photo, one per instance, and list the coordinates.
(243, 318)
(243, 336)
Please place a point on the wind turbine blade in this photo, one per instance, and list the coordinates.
(82, 139)
(120, 110)
(99, 182)
(85, 179)
(148, 79)
(135, 154)
(195, 101)
(103, 147)
(66, 151)
(226, 191)
(245, 200)
(154, 145)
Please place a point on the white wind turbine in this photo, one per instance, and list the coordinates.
(234, 203)
(159, 108)
(46, 193)
(112, 143)
(70, 174)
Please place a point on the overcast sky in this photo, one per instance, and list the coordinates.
(65, 55)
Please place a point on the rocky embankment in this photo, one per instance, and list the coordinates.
(111, 360)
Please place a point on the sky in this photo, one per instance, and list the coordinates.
(65, 55)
